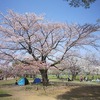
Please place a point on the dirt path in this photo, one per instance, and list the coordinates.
(34, 97)
(19, 93)
(51, 93)
(30, 92)
(31, 96)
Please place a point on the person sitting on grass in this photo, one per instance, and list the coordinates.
(69, 78)
(16, 83)
(81, 78)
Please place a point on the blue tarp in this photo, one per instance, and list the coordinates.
(37, 80)
(23, 81)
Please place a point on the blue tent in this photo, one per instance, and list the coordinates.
(37, 80)
(23, 81)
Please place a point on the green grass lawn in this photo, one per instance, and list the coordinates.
(7, 82)
(5, 95)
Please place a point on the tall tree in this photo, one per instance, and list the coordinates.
(70, 63)
(29, 34)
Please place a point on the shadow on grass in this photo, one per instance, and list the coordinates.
(5, 95)
(81, 93)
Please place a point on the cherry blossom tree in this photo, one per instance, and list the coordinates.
(6, 72)
(74, 67)
(91, 63)
(71, 64)
(45, 42)
(20, 69)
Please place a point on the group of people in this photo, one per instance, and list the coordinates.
(82, 78)
(85, 78)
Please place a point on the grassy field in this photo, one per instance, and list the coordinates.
(57, 91)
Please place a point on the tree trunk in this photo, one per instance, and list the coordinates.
(73, 77)
(44, 76)
(58, 76)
